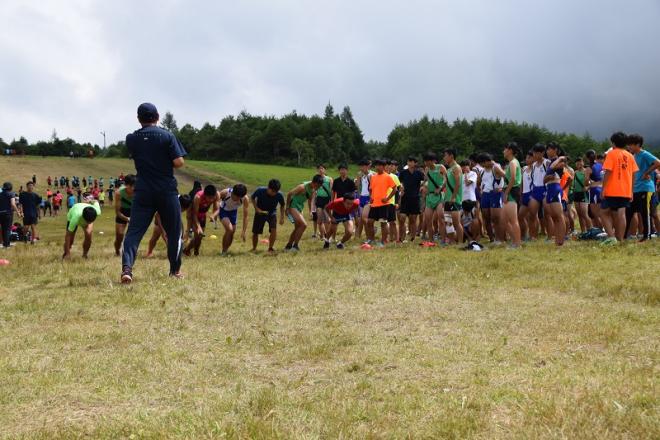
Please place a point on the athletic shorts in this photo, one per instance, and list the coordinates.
(410, 206)
(382, 213)
(30, 220)
(321, 202)
(202, 221)
(468, 205)
(56, 207)
(514, 194)
(433, 200)
(491, 200)
(615, 203)
(452, 207)
(553, 194)
(595, 195)
(126, 212)
(364, 201)
(260, 221)
(538, 193)
(581, 197)
(341, 218)
(315, 217)
(526, 198)
(231, 215)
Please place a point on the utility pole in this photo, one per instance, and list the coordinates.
(103, 133)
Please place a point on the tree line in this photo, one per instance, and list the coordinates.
(301, 140)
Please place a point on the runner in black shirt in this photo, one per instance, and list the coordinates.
(411, 181)
(342, 184)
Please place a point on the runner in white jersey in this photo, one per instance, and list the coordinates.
(230, 200)
(539, 168)
(478, 169)
(523, 213)
(364, 192)
(470, 202)
(491, 198)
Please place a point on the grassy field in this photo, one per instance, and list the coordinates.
(395, 343)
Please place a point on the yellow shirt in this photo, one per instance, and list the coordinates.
(398, 184)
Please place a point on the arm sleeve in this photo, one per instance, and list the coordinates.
(176, 150)
(280, 199)
(608, 165)
(129, 146)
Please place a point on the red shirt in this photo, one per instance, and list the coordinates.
(339, 208)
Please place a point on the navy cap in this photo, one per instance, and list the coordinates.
(147, 112)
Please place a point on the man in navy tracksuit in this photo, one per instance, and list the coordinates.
(156, 153)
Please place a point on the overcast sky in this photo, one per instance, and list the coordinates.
(82, 66)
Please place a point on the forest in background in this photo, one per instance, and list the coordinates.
(333, 137)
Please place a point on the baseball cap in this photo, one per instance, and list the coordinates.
(147, 111)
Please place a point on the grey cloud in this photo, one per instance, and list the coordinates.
(569, 65)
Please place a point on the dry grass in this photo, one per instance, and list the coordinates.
(385, 344)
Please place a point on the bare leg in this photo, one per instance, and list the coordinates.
(119, 237)
(228, 238)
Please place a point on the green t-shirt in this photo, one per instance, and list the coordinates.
(578, 182)
(126, 200)
(507, 173)
(298, 200)
(435, 181)
(74, 217)
(324, 190)
(454, 187)
(394, 200)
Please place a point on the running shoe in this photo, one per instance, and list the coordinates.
(126, 275)
(611, 241)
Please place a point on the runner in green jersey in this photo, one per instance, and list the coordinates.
(434, 215)
(512, 179)
(322, 198)
(123, 201)
(83, 215)
(581, 196)
(454, 193)
(295, 203)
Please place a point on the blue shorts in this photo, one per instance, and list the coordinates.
(553, 194)
(526, 198)
(364, 201)
(491, 200)
(538, 193)
(231, 215)
(595, 195)
(341, 218)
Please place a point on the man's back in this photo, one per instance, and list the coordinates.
(621, 166)
(153, 149)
